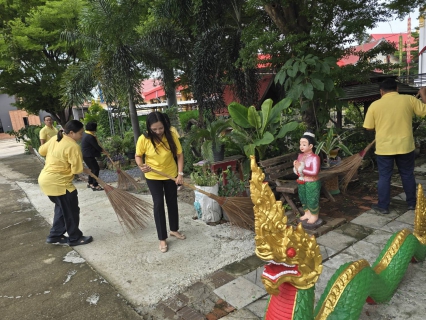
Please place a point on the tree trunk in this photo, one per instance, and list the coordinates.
(170, 87)
(61, 116)
(134, 118)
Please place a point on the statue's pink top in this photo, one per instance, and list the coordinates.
(312, 166)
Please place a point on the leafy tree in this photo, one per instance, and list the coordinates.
(33, 57)
(92, 114)
(289, 30)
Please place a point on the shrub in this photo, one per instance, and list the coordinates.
(186, 116)
(234, 187)
(203, 176)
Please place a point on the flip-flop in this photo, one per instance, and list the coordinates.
(97, 188)
(55, 240)
(178, 235)
(312, 226)
(81, 241)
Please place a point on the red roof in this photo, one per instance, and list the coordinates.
(393, 37)
(352, 59)
(375, 39)
(151, 89)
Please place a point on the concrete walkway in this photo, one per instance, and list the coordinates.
(211, 275)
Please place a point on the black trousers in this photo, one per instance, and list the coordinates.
(159, 189)
(93, 165)
(67, 216)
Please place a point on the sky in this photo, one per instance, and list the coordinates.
(396, 25)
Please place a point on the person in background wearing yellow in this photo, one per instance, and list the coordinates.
(392, 118)
(48, 131)
(91, 148)
(63, 160)
(159, 146)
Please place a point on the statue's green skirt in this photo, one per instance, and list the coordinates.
(309, 195)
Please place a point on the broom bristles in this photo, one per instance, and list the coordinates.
(127, 182)
(239, 211)
(131, 211)
(350, 166)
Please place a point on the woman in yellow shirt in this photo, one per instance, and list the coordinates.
(63, 161)
(160, 146)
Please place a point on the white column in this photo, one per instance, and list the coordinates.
(422, 44)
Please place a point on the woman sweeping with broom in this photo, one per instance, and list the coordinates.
(63, 161)
(159, 146)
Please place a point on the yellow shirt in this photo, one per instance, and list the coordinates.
(161, 159)
(63, 161)
(174, 130)
(391, 116)
(46, 133)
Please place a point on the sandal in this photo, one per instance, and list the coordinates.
(97, 188)
(81, 241)
(312, 226)
(56, 240)
(177, 235)
(163, 249)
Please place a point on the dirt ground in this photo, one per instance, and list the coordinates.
(359, 197)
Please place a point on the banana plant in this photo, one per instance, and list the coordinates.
(255, 130)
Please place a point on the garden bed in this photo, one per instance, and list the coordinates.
(360, 195)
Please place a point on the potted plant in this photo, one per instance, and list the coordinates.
(207, 209)
(330, 145)
(210, 139)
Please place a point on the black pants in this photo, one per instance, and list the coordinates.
(159, 189)
(67, 216)
(93, 165)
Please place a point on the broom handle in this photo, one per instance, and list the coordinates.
(185, 184)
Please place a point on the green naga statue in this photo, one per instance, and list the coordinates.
(295, 263)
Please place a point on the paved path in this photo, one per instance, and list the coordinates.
(40, 281)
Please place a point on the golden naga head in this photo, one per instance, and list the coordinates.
(293, 255)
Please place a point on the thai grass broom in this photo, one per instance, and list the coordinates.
(238, 209)
(125, 180)
(131, 211)
(350, 166)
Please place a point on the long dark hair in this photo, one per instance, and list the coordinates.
(72, 125)
(154, 117)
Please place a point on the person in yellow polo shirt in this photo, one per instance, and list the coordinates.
(159, 146)
(63, 161)
(48, 131)
(391, 117)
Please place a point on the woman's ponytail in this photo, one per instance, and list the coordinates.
(60, 135)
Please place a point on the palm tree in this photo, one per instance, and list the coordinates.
(114, 56)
